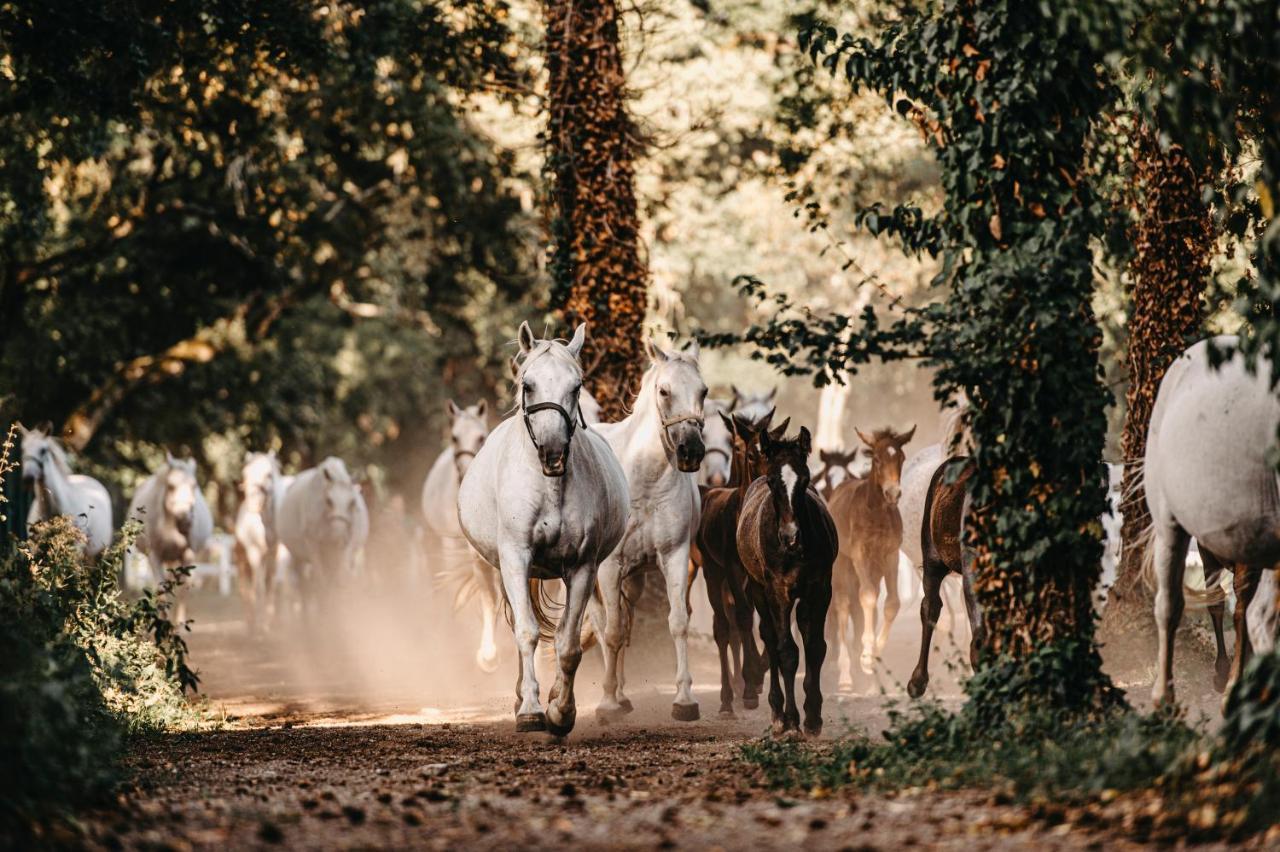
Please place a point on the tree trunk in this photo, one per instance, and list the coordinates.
(599, 276)
(1173, 241)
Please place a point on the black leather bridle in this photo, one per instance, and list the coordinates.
(527, 410)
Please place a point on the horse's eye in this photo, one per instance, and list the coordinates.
(664, 392)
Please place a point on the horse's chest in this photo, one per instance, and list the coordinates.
(656, 527)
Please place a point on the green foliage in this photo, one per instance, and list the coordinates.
(83, 667)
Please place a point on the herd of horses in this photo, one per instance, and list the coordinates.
(559, 519)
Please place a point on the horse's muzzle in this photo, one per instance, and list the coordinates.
(554, 464)
(717, 480)
(689, 454)
(892, 493)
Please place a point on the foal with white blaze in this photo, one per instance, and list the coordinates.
(660, 448)
(545, 499)
(58, 491)
(459, 563)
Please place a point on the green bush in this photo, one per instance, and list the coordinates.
(82, 668)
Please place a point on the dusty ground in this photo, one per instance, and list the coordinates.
(370, 735)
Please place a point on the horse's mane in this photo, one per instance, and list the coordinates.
(59, 456)
(955, 425)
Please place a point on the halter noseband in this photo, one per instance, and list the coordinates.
(709, 450)
(668, 422)
(558, 409)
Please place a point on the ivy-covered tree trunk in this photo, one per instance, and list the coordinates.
(598, 273)
(1173, 241)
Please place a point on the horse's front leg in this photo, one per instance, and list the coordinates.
(515, 582)
(930, 609)
(812, 616)
(562, 710)
(1170, 555)
(892, 603)
(713, 577)
(769, 634)
(609, 627)
(487, 584)
(753, 663)
(868, 597)
(675, 568)
(789, 662)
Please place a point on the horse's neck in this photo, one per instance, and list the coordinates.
(58, 496)
(646, 459)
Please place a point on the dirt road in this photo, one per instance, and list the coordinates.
(363, 736)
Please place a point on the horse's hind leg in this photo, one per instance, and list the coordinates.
(721, 632)
(977, 628)
(930, 609)
(1212, 576)
(515, 582)
(487, 585)
(675, 568)
(609, 581)
(812, 616)
(743, 613)
(1169, 552)
(769, 633)
(562, 710)
(1246, 584)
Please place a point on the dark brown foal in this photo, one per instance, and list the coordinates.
(733, 621)
(787, 543)
(942, 546)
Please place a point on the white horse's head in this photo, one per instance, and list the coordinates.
(180, 490)
(957, 432)
(752, 407)
(258, 477)
(467, 430)
(341, 498)
(40, 453)
(717, 462)
(675, 383)
(549, 387)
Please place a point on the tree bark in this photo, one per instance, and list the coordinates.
(1173, 241)
(598, 273)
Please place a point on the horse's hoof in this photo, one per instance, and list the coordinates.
(487, 665)
(867, 664)
(1221, 676)
(750, 702)
(727, 713)
(813, 731)
(916, 688)
(625, 705)
(609, 715)
(564, 726)
(527, 723)
(685, 712)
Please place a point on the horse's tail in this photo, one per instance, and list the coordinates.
(548, 609)
(1195, 598)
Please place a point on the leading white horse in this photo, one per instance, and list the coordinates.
(545, 498)
(459, 564)
(324, 522)
(258, 551)
(660, 447)
(58, 491)
(1208, 474)
(175, 519)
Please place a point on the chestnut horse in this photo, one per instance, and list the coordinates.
(733, 619)
(942, 547)
(787, 542)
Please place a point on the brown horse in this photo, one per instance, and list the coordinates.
(717, 547)
(942, 546)
(871, 535)
(844, 618)
(787, 542)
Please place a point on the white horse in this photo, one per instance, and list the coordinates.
(259, 555)
(752, 406)
(660, 448)
(1208, 474)
(58, 491)
(544, 499)
(459, 563)
(175, 520)
(717, 441)
(324, 522)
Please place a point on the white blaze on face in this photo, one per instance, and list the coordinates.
(789, 483)
(893, 451)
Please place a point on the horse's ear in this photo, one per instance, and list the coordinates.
(526, 338)
(827, 457)
(866, 439)
(45, 428)
(765, 442)
(169, 459)
(906, 437)
(767, 419)
(737, 397)
(806, 442)
(23, 431)
(514, 364)
(779, 433)
(772, 393)
(728, 422)
(579, 338)
(692, 349)
(482, 408)
(328, 475)
(452, 408)
(655, 352)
